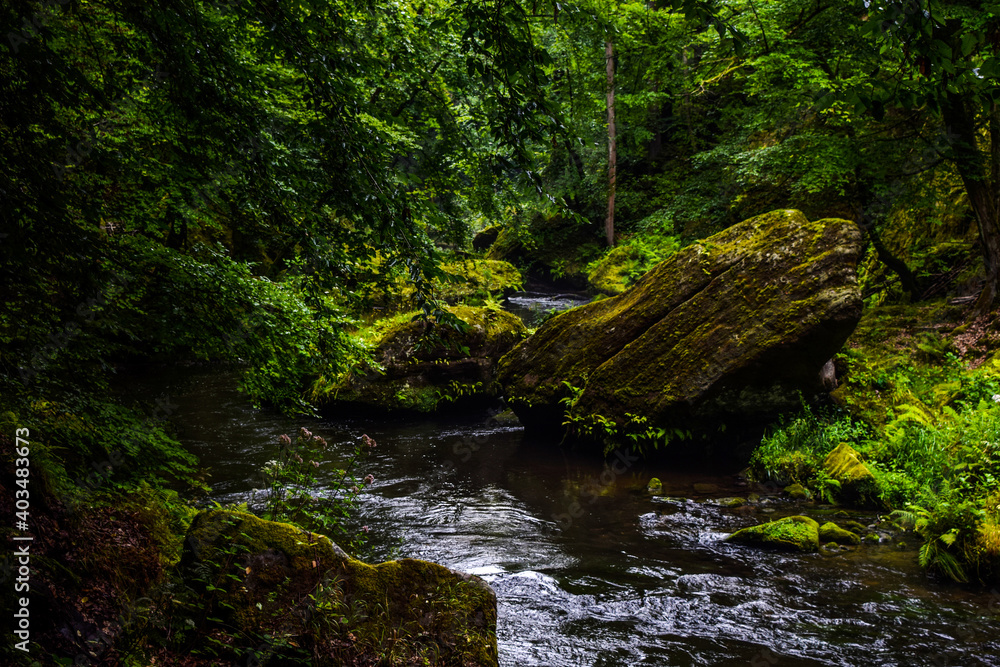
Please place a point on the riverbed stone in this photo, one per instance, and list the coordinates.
(793, 533)
(853, 526)
(729, 501)
(727, 331)
(262, 570)
(421, 367)
(831, 532)
(797, 492)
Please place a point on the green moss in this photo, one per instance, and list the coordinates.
(831, 532)
(690, 341)
(624, 264)
(793, 533)
(476, 279)
(655, 486)
(857, 484)
(260, 569)
(507, 247)
(728, 502)
(797, 492)
(421, 368)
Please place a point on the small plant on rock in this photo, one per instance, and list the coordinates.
(293, 482)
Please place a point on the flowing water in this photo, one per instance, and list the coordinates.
(588, 568)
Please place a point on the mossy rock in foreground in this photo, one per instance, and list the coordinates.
(793, 533)
(273, 579)
(731, 330)
(428, 368)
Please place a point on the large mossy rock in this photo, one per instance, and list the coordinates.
(793, 533)
(730, 329)
(426, 369)
(272, 579)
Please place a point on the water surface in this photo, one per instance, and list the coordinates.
(589, 569)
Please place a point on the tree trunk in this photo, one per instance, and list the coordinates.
(982, 185)
(609, 223)
(907, 279)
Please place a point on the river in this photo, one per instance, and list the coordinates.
(589, 568)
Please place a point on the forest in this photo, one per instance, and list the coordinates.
(332, 205)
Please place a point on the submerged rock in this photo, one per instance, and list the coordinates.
(729, 501)
(267, 576)
(793, 533)
(831, 532)
(727, 330)
(426, 370)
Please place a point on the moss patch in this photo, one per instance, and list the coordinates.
(627, 262)
(793, 533)
(831, 532)
(857, 484)
(266, 579)
(422, 367)
(797, 492)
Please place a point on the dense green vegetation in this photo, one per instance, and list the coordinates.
(250, 182)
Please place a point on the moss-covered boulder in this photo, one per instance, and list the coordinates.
(272, 579)
(422, 367)
(831, 532)
(857, 483)
(730, 329)
(793, 533)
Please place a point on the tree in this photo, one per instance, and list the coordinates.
(232, 173)
(609, 224)
(943, 58)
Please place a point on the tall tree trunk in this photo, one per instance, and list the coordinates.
(981, 179)
(609, 223)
